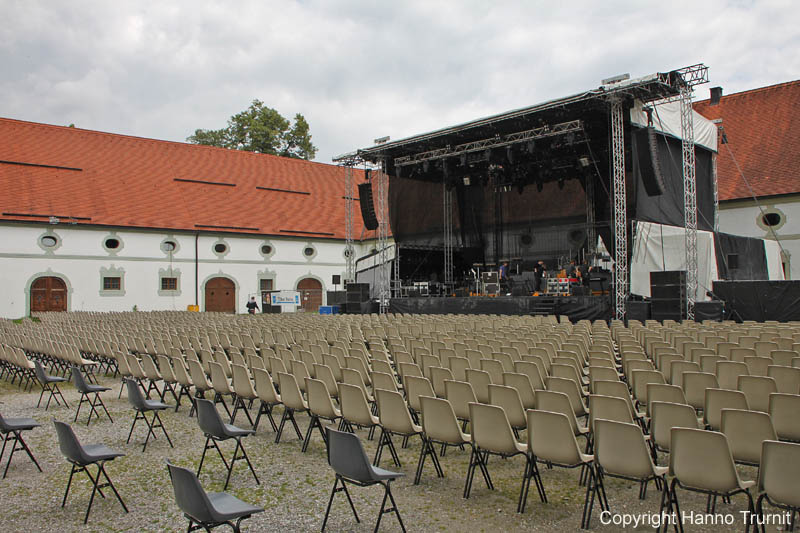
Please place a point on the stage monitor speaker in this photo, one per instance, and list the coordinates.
(649, 164)
(337, 279)
(714, 310)
(668, 277)
(637, 311)
(668, 291)
(367, 207)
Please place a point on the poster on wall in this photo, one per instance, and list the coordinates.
(285, 298)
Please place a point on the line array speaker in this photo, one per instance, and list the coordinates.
(367, 207)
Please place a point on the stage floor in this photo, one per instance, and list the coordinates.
(575, 307)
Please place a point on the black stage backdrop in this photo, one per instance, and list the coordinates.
(740, 258)
(575, 307)
(760, 300)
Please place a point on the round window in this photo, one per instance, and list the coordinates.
(771, 219)
(168, 246)
(220, 248)
(266, 249)
(347, 252)
(113, 244)
(48, 241)
(309, 251)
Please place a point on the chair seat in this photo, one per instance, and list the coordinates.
(96, 388)
(380, 474)
(55, 379)
(14, 424)
(661, 470)
(154, 405)
(229, 507)
(100, 452)
(233, 431)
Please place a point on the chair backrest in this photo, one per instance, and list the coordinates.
(522, 383)
(620, 449)
(557, 402)
(757, 390)
(265, 388)
(480, 381)
(439, 421)
(393, 412)
(608, 408)
(438, 376)
(702, 459)
(290, 392)
(460, 394)
(79, 381)
(657, 392)
(354, 405)
(534, 372)
(41, 375)
(508, 398)
(728, 373)
(69, 444)
(570, 388)
(242, 385)
(695, 385)
(382, 380)
(208, 418)
(198, 375)
(189, 494)
(135, 396)
(319, 399)
(347, 457)
(779, 472)
(551, 438)
(746, 430)
(718, 399)
(667, 416)
(787, 379)
(757, 366)
(783, 409)
(417, 386)
(491, 430)
(677, 368)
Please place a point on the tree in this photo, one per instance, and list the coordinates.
(261, 129)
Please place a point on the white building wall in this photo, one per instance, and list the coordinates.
(743, 217)
(81, 259)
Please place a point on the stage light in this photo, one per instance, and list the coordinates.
(466, 181)
(584, 161)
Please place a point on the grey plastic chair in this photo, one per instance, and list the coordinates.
(142, 407)
(217, 431)
(86, 390)
(49, 384)
(81, 457)
(11, 429)
(207, 509)
(349, 461)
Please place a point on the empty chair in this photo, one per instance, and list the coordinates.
(667, 416)
(460, 395)
(570, 388)
(355, 409)
(620, 390)
(757, 366)
(87, 390)
(757, 390)
(394, 420)
(719, 399)
(11, 429)
(49, 384)
(508, 398)
(417, 386)
(695, 385)
(746, 430)
(522, 383)
(677, 368)
(558, 402)
(347, 458)
(621, 452)
(701, 461)
(480, 381)
(320, 407)
(492, 435)
(438, 376)
(551, 440)
(142, 407)
(217, 431)
(207, 509)
(267, 395)
(657, 392)
(382, 380)
(439, 426)
(293, 402)
(728, 373)
(783, 409)
(777, 478)
(787, 379)
(244, 393)
(534, 372)
(494, 368)
(81, 457)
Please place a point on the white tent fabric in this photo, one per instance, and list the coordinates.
(658, 247)
(774, 263)
(667, 119)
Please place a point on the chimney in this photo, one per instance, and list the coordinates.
(716, 94)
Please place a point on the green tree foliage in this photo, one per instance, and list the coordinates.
(261, 129)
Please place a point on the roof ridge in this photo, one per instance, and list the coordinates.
(152, 140)
(750, 91)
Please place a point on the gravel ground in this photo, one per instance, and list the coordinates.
(294, 487)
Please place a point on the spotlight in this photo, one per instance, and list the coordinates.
(466, 181)
(584, 161)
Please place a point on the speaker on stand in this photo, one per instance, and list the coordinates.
(367, 207)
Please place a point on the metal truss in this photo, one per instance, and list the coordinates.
(716, 190)
(349, 249)
(591, 235)
(381, 179)
(689, 197)
(447, 194)
(620, 210)
(396, 282)
(492, 142)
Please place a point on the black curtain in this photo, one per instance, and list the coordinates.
(740, 258)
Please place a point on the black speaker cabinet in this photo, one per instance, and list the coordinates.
(367, 207)
(336, 279)
(637, 310)
(714, 310)
(668, 277)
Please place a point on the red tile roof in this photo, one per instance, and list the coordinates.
(98, 178)
(763, 130)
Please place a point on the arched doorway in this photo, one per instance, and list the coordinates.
(310, 294)
(220, 295)
(48, 294)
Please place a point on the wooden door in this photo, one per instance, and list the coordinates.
(48, 294)
(220, 295)
(310, 294)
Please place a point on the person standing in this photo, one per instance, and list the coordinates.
(252, 305)
(539, 271)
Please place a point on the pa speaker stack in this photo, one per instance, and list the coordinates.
(356, 294)
(668, 295)
(367, 207)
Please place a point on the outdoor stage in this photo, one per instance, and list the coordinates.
(575, 307)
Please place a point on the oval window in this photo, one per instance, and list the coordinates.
(168, 246)
(266, 249)
(113, 244)
(220, 248)
(309, 251)
(771, 219)
(48, 241)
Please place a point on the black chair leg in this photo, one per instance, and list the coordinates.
(265, 409)
(330, 501)
(393, 509)
(15, 441)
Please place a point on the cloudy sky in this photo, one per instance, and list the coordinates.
(359, 70)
